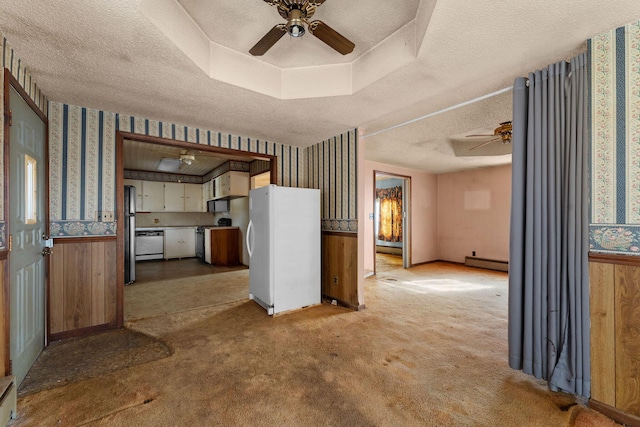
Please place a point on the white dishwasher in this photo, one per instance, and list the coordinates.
(149, 244)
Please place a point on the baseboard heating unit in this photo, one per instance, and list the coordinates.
(489, 264)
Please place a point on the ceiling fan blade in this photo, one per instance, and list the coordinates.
(484, 143)
(268, 40)
(331, 37)
(480, 135)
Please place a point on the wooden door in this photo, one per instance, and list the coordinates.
(27, 234)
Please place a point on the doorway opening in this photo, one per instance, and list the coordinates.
(172, 284)
(391, 229)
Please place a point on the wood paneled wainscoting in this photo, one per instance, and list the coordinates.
(83, 287)
(340, 268)
(615, 336)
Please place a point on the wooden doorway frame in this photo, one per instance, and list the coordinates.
(120, 137)
(407, 218)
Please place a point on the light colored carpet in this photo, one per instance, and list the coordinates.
(429, 350)
(149, 299)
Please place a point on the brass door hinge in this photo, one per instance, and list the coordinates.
(10, 117)
(10, 242)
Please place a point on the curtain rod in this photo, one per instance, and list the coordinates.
(426, 116)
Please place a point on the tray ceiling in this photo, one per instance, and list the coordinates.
(111, 56)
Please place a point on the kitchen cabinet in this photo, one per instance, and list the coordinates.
(207, 192)
(222, 245)
(173, 197)
(149, 195)
(152, 196)
(179, 197)
(231, 184)
(179, 242)
(193, 198)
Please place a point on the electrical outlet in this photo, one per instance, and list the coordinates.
(335, 280)
(104, 216)
(156, 220)
(473, 253)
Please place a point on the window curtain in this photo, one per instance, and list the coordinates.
(390, 218)
(548, 271)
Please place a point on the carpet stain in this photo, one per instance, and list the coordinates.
(76, 359)
(444, 346)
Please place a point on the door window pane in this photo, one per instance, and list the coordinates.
(31, 190)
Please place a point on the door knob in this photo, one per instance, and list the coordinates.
(47, 251)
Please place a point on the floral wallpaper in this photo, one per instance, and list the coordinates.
(615, 140)
(614, 238)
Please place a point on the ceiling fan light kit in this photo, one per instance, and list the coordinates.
(297, 14)
(295, 26)
(187, 158)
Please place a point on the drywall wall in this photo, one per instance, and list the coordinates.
(473, 214)
(422, 213)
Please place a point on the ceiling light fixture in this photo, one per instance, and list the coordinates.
(295, 26)
(187, 158)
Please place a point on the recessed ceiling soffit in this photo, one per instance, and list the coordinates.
(241, 69)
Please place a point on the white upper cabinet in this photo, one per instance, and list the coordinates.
(149, 195)
(155, 196)
(173, 197)
(193, 198)
(180, 197)
(232, 184)
(152, 196)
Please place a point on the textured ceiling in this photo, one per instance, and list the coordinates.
(246, 21)
(108, 55)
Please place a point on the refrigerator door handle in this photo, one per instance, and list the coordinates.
(249, 246)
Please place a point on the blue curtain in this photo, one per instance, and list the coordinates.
(548, 262)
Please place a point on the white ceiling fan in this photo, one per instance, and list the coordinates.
(173, 164)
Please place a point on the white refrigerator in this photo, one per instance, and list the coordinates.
(283, 241)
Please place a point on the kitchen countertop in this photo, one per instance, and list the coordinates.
(220, 227)
(207, 227)
(165, 227)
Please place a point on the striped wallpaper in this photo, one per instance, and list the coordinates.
(332, 167)
(82, 166)
(19, 70)
(615, 133)
(82, 161)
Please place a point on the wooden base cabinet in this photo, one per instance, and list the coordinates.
(222, 246)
